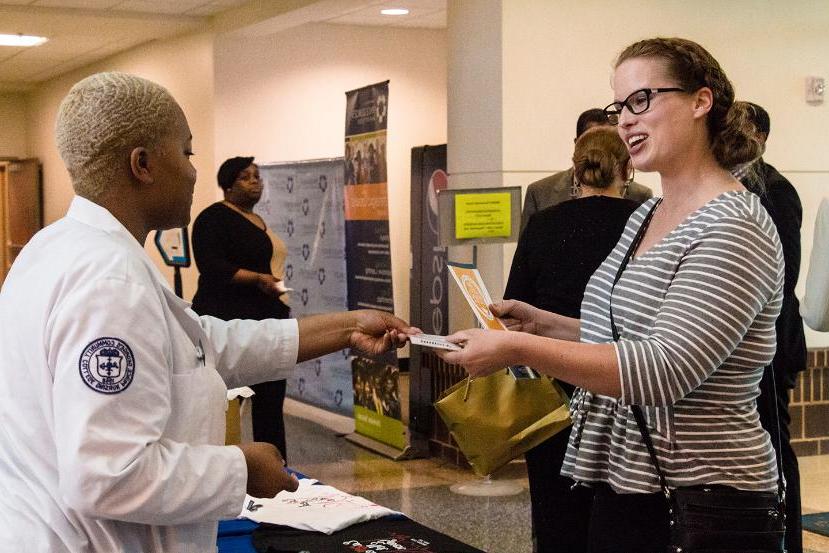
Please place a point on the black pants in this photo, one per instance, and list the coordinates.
(560, 513)
(266, 412)
(765, 407)
(627, 522)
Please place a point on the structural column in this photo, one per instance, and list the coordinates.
(475, 133)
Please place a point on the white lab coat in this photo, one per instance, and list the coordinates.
(141, 469)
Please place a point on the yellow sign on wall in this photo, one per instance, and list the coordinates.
(483, 215)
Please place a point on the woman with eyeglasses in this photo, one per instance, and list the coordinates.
(241, 262)
(683, 330)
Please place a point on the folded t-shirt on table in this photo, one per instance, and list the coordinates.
(314, 507)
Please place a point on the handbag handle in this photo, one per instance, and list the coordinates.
(637, 410)
(469, 380)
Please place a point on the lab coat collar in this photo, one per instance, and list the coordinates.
(97, 216)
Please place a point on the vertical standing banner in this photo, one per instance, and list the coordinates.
(428, 279)
(368, 255)
(302, 202)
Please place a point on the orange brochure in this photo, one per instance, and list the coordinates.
(476, 294)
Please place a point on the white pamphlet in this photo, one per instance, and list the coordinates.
(433, 341)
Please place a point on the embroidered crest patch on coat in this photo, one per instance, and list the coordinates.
(107, 365)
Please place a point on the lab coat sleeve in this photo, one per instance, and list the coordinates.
(113, 462)
(249, 352)
(815, 306)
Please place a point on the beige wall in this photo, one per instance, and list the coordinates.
(282, 98)
(557, 61)
(13, 125)
(185, 67)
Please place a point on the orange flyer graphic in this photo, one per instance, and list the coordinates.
(476, 294)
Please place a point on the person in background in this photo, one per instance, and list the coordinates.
(562, 186)
(782, 202)
(113, 389)
(349, 173)
(241, 264)
(684, 330)
(560, 249)
(815, 305)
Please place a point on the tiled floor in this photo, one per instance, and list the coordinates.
(814, 490)
(420, 488)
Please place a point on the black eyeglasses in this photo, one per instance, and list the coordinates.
(637, 102)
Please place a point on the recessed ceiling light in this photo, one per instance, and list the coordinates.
(395, 11)
(21, 40)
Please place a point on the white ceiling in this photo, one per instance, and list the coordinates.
(422, 13)
(81, 32)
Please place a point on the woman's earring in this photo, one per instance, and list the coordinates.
(575, 188)
(626, 186)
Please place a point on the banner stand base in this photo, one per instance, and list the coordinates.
(487, 487)
(386, 450)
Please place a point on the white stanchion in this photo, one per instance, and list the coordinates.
(487, 487)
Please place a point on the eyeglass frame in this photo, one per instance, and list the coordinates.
(613, 116)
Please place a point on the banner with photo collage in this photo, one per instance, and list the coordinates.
(303, 203)
(377, 412)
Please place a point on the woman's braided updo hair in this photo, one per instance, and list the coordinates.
(730, 130)
(599, 156)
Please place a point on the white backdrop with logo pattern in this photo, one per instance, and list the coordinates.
(302, 202)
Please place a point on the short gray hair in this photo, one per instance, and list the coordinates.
(102, 119)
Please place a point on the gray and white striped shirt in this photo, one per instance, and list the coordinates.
(695, 315)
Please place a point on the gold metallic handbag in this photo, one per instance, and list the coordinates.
(496, 418)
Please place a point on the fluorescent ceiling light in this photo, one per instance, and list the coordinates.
(395, 11)
(21, 40)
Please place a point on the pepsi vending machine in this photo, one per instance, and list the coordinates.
(428, 284)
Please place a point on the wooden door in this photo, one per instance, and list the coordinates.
(3, 263)
(22, 207)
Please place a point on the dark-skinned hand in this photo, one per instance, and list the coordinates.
(266, 470)
(377, 332)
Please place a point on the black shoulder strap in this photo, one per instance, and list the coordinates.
(637, 239)
(646, 437)
(637, 411)
(781, 479)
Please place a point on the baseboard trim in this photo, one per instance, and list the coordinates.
(340, 424)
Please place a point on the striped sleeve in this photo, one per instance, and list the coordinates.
(731, 272)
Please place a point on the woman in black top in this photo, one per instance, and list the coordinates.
(557, 253)
(240, 263)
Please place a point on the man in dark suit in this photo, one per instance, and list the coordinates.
(780, 199)
(561, 186)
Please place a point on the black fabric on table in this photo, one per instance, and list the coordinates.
(406, 533)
